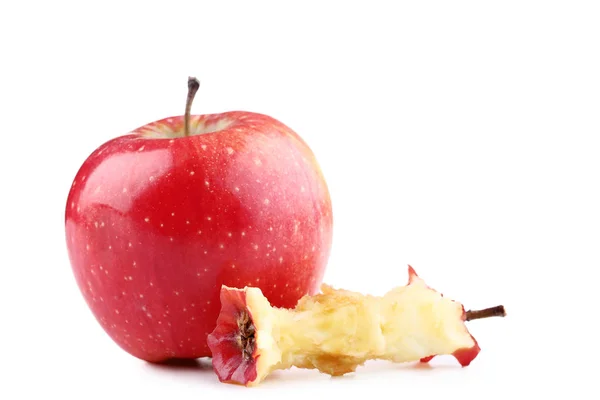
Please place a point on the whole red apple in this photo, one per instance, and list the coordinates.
(159, 219)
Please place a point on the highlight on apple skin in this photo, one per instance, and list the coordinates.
(338, 330)
(159, 219)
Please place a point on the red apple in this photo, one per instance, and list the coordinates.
(159, 219)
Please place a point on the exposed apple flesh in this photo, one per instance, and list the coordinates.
(337, 330)
(157, 220)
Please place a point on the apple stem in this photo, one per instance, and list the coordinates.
(497, 311)
(193, 86)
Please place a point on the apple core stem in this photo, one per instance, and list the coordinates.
(193, 86)
(497, 311)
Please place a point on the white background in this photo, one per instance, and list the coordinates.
(460, 137)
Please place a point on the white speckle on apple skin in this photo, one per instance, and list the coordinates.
(206, 183)
(266, 202)
(151, 178)
(229, 151)
(124, 190)
(237, 189)
(142, 148)
(257, 161)
(147, 219)
(192, 173)
(203, 147)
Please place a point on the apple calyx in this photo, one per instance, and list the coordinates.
(246, 339)
(338, 330)
(236, 338)
(193, 86)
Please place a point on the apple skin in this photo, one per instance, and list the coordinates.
(157, 221)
